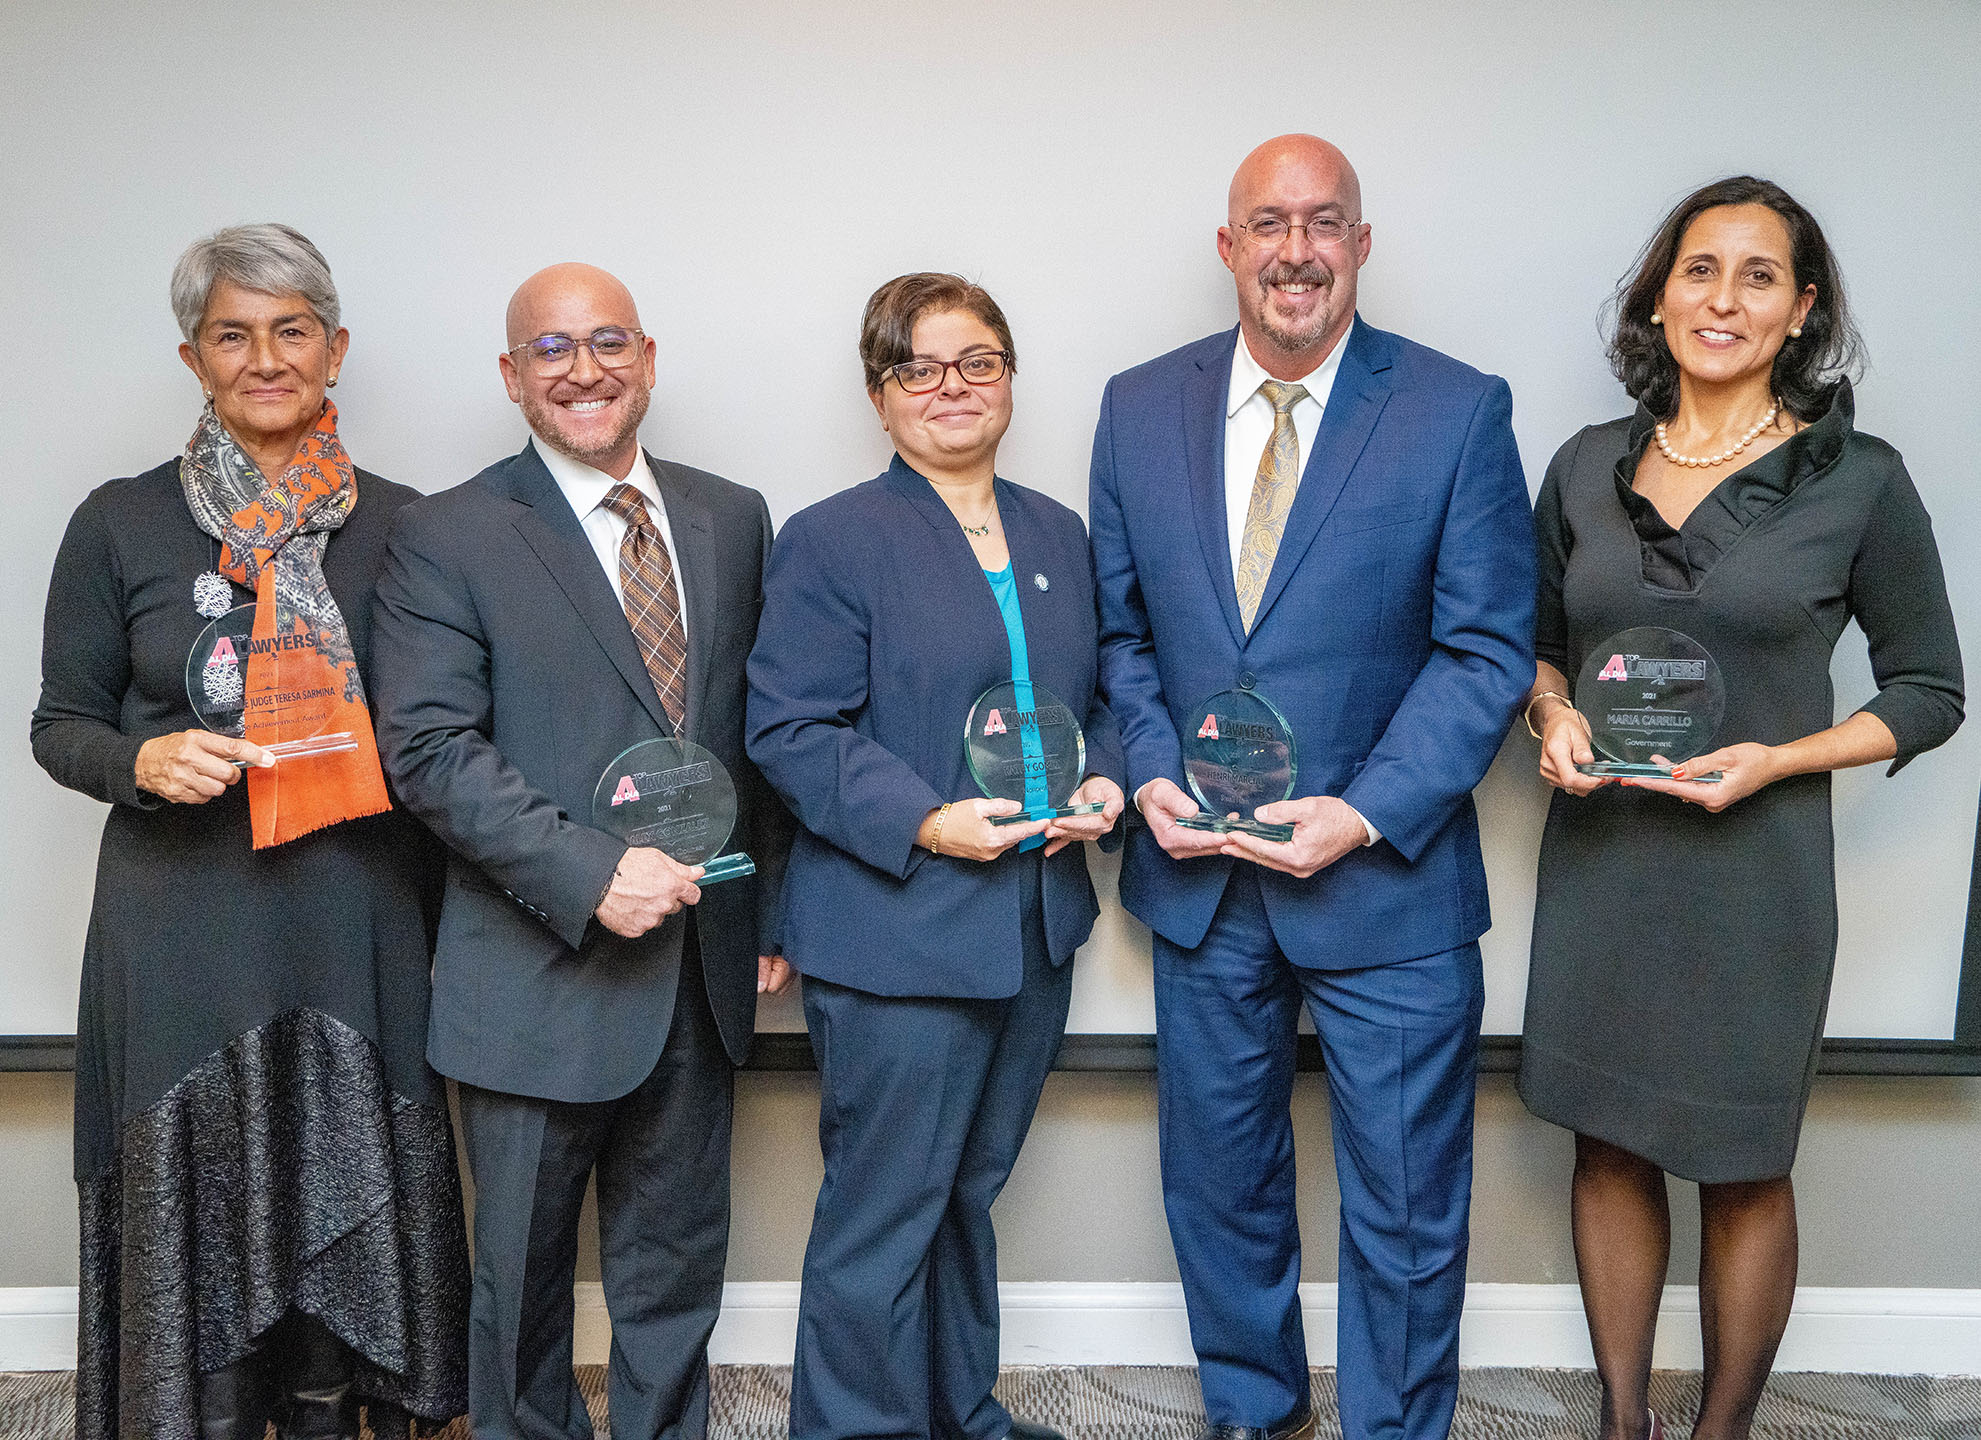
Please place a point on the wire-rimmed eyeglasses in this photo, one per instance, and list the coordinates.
(1321, 230)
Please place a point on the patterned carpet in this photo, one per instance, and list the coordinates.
(1161, 1403)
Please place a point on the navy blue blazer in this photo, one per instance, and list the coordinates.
(878, 634)
(1395, 632)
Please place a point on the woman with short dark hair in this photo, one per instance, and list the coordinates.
(1685, 924)
(934, 942)
(271, 1216)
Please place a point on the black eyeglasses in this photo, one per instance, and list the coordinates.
(1321, 230)
(612, 346)
(980, 367)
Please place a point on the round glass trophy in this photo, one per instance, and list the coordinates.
(1238, 754)
(1023, 744)
(674, 796)
(1649, 692)
(295, 721)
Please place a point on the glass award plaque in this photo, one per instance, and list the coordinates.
(216, 685)
(674, 796)
(1023, 744)
(1647, 692)
(1238, 754)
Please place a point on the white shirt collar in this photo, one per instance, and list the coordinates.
(585, 487)
(1248, 374)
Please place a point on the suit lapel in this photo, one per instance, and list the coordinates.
(694, 547)
(550, 529)
(953, 555)
(1205, 393)
(1361, 388)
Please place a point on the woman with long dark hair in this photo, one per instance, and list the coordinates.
(1685, 926)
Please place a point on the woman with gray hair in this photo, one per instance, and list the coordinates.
(271, 1215)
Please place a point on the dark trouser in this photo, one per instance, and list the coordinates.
(924, 1104)
(1401, 1046)
(661, 1155)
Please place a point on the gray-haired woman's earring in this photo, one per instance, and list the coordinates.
(207, 393)
(1795, 332)
(1656, 318)
(331, 383)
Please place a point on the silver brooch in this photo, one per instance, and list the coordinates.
(212, 595)
(1041, 582)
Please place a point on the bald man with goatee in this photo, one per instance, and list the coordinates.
(589, 996)
(1310, 516)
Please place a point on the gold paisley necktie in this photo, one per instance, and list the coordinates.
(652, 600)
(1273, 489)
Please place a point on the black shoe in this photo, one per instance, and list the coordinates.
(315, 1369)
(234, 1401)
(1026, 1430)
(1298, 1426)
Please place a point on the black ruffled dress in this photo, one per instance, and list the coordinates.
(257, 1129)
(1681, 962)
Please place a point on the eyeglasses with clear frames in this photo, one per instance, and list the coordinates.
(612, 346)
(1321, 230)
(979, 367)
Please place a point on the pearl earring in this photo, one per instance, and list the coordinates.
(1795, 332)
(331, 383)
(1656, 318)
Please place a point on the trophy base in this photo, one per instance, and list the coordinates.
(727, 867)
(332, 744)
(1092, 807)
(1623, 769)
(1224, 825)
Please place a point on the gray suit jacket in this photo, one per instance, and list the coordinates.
(506, 679)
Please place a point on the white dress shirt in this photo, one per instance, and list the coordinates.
(1248, 429)
(586, 489)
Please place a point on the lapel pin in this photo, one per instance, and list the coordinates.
(212, 595)
(1041, 582)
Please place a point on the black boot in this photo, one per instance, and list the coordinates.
(315, 1374)
(234, 1401)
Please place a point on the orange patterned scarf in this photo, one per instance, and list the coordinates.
(272, 541)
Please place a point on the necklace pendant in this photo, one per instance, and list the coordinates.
(212, 595)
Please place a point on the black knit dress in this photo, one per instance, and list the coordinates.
(256, 1126)
(1681, 962)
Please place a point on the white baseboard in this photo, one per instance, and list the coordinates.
(1871, 1331)
(38, 1327)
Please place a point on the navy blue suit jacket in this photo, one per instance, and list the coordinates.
(879, 632)
(1395, 632)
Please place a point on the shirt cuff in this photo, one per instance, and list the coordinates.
(1374, 833)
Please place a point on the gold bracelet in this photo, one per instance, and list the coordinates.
(935, 836)
(1527, 714)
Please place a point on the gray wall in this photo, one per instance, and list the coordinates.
(1886, 1182)
(745, 169)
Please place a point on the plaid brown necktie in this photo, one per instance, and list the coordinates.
(652, 600)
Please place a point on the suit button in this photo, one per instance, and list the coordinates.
(1247, 680)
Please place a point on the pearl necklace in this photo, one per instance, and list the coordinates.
(1664, 445)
